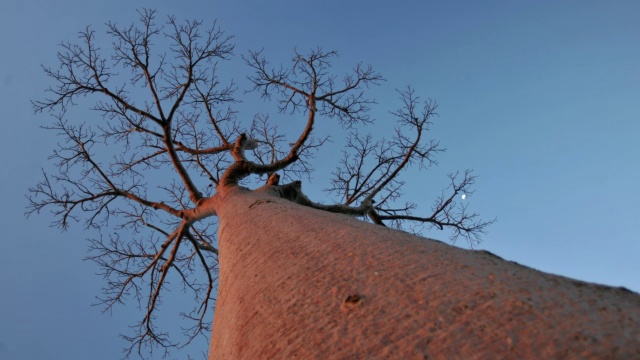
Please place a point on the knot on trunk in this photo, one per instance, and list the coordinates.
(292, 192)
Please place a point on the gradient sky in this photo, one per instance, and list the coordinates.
(539, 97)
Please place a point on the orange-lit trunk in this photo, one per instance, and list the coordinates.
(301, 283)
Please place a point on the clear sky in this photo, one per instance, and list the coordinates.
(541, 98)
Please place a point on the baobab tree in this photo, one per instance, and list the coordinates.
(167, 163)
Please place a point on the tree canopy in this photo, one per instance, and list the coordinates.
(167, 143)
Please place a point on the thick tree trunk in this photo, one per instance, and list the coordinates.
(301, 283)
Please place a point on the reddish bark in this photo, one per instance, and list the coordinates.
(297, 282)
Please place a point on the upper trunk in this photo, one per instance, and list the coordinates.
(296, 282)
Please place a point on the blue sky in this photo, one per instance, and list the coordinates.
(540, 98)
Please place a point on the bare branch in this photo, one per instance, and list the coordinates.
(448, 213)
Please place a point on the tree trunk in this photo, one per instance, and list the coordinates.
(296, 282)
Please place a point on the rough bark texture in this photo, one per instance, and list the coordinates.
(301, 283)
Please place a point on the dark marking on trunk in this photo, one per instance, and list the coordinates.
(259, 202)
(351, 302)
(353, 299)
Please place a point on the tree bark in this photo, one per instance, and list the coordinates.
(296, 282)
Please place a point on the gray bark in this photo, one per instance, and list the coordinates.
(297, 282)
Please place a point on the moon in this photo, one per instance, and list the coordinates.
(464, 196)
